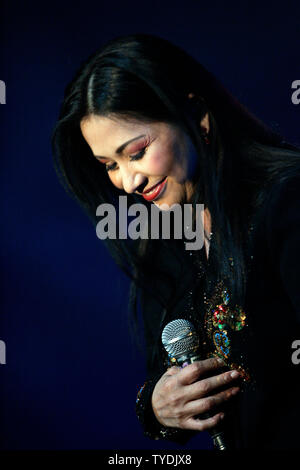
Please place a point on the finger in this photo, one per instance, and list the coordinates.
(204, 405)
(203, 424)
(174, 370)
(204, 387)
(193, 371)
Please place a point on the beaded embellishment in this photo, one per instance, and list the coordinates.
(139, 394)
(220, 322)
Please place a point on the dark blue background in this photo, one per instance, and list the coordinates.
(72, 372)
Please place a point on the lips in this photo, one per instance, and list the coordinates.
(155, 191)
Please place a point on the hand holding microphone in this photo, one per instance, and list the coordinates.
(183, 393)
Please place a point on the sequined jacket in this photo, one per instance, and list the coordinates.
(262, 340)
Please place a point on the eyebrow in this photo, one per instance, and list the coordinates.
(122, 147)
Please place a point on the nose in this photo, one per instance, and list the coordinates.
(141, 187)
(132, 182)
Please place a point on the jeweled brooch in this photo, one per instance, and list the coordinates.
(220, 321)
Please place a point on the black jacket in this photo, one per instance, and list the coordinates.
(266, 413)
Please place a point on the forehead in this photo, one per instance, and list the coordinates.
(104, 134)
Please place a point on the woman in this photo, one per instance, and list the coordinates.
(144, 119)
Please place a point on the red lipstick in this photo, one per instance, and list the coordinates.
(155, 191)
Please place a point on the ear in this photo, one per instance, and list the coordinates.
(204, 124)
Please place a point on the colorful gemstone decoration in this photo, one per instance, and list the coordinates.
(219, 317)
(220, 320)
(223, 316)
(139, 393)
(222, 342)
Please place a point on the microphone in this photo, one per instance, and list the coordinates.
(182, 342)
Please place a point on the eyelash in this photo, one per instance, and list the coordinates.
(138, 156)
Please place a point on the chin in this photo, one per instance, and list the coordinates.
(174, 194)
(166, 203)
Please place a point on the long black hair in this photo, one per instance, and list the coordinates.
(147, 78)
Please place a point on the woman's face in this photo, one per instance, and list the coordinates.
(139, 156)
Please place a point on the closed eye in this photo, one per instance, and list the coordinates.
(135, 157)
(139, 155)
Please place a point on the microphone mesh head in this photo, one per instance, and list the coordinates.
(179, 337)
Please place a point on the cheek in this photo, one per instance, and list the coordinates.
(160, 162)
(116, 180)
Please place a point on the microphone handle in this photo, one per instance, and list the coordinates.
(216, 433)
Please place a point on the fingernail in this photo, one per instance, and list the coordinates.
(221, 415)
(234, 374)
(234, 391)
